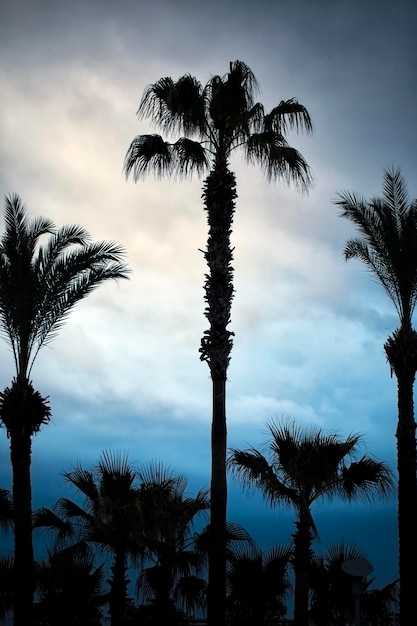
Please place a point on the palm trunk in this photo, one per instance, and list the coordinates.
(401, 350)
(20, 454)
(407, 498)
(219, 194)
(301, 563)
(23, 411)
(118, 589)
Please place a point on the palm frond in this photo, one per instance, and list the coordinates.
(254, 471)
(191, 156)
(149, 153)
(278, 160)
(366, 479)
(288, 115)
(388, 242)
(174, 106)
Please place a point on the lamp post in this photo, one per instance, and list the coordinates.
(357, 569)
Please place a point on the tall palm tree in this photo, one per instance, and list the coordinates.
(109, 520)
(388, 248)
(304, 466)
(214, 120)
(41, 280)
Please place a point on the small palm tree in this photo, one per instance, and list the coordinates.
(41, 280)
(332, 602)
(388, 248)
(70, 590)
(110, 520)
(170, 580)
(306, 466)
(257, 584)
(215, 119)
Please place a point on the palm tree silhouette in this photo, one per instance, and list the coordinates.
(215, 119)
(305, 466)
(257, 583)
(40, 283)
(388, 248)
(109, 520)
(171, 580)
(70, 590)
(332, 600)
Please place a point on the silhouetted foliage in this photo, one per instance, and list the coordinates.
(215, 119)
(304, 466)
(388, 248)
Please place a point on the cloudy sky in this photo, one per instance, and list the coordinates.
(125, 372)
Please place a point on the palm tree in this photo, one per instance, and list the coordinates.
(110, 520)
(40, 283)
(70, 590)
(215, 119)
(332, 601)
(388, 248)
(305, 466)
(257, 584)
(170, 580)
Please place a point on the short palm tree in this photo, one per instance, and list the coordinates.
(257, 585)
(109, 521)
(171, 578)
(44, 272)
(332, 602)
(388, 248)
(305, 466)
(70, 590)
(214, 120)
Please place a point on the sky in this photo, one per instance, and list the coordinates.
(124, 372)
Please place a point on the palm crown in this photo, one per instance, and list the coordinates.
(41, 280)
(388, 246)
(217, 118)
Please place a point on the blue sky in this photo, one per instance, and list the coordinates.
(309, 328)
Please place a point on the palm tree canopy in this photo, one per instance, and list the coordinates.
(388, 246)
(216, 118)
(44, 272)
(305, 465)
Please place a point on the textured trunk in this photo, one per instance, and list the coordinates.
(20, 454)
(301, 563)
(407, 498)
(216, 600)
(219, 194)
(401, 350)
(118, 589)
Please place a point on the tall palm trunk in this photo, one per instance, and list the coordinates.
(23, 410)
(20, 455)
(219, 195)
(301, 562)
(401, 350)
(118, 588)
